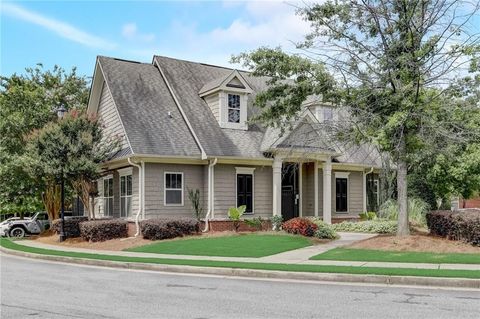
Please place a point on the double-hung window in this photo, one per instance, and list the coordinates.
(108, 196)
(126, 195)
(173, 195)
(233, 108)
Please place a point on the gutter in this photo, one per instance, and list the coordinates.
(140, 194)
(211, 196)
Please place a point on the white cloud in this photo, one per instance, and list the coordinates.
(63, 29)
(258, 24)
(130, 32)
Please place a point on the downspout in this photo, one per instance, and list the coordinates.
(210, 192)
(140, 202)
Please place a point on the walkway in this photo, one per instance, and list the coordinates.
(298, 256)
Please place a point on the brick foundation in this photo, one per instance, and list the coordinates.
(227, 225)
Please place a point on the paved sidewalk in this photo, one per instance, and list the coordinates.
(299, 256)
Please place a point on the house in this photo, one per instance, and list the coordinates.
(184, 125)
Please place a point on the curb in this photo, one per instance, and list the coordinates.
(270, 274)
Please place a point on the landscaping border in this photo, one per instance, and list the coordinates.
(216, 268)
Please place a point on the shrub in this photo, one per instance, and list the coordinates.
(324, 231)
(369, 226)
(368, 216)
(417, 210)
(195, 200)
(163, 228)
(299, 225)
(71, 227)
(234, 214)
(103, 229)
(276, 222)
(256, 223)
(464, 225)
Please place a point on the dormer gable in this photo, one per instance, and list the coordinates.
(227, 98)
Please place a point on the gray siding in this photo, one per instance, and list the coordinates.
(108, 115)
(354, 193)
(308, 189)
(213, 102)
(225, 190)
(154, 189)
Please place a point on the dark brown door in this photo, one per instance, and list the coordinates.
(341, 195)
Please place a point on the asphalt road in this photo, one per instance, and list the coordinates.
(37, 289)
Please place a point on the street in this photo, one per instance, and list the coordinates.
(38, 289)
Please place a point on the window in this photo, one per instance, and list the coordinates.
(126, 195)
(373, 199)
(108, 196)
(341, 195)
(245, 188)
(327, 114)
(233, 108)
(173, 195)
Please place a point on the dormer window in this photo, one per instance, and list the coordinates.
(233, 108)
(327, 114)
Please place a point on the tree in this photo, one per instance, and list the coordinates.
(73, 149)
(28, 102)
(392, 64)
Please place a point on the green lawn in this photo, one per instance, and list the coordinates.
(346, 254)
(246, 245)
(260, 266)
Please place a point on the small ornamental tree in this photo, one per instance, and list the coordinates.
(71, 148)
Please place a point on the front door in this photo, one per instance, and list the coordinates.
(290, 194)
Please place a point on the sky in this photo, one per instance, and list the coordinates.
(73, 33)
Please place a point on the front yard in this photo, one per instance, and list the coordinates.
(369, 255)
(242, 245)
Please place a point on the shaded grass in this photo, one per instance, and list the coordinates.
(354, 254)
(259, 266)
(248, 245)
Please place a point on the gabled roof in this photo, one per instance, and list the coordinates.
(163, 113)
(226, 82)
(151, 119)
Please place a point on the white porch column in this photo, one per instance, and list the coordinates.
(315, 188)
(277, 187)
(327, 191)
(300, 189)
(364, 191)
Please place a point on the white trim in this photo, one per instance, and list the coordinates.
(315, 188)
(342, 175)
(125, 171)
(165, 188)
(105, 211)
(245, 171)
(228, 79)
(195, 137)
(107, 176)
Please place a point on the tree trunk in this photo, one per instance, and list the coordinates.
(403, 229)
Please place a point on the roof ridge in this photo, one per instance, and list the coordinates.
(201, 63)
(123, 60)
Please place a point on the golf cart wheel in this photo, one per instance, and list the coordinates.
(17, 232)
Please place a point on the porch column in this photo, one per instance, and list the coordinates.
(277, 187)
(315, 188)
(327, 191)
(364, 191)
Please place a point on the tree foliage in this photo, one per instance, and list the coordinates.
(28, 101)
(73, 149)
(406, 71)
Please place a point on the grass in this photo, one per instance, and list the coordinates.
(349, 254)
(247, 245)
(473, 274)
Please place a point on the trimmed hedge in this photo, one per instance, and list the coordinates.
(162, 228)
(370, 226)
(299, 225)
(456, 225)
(101, 230)
(71, 227)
